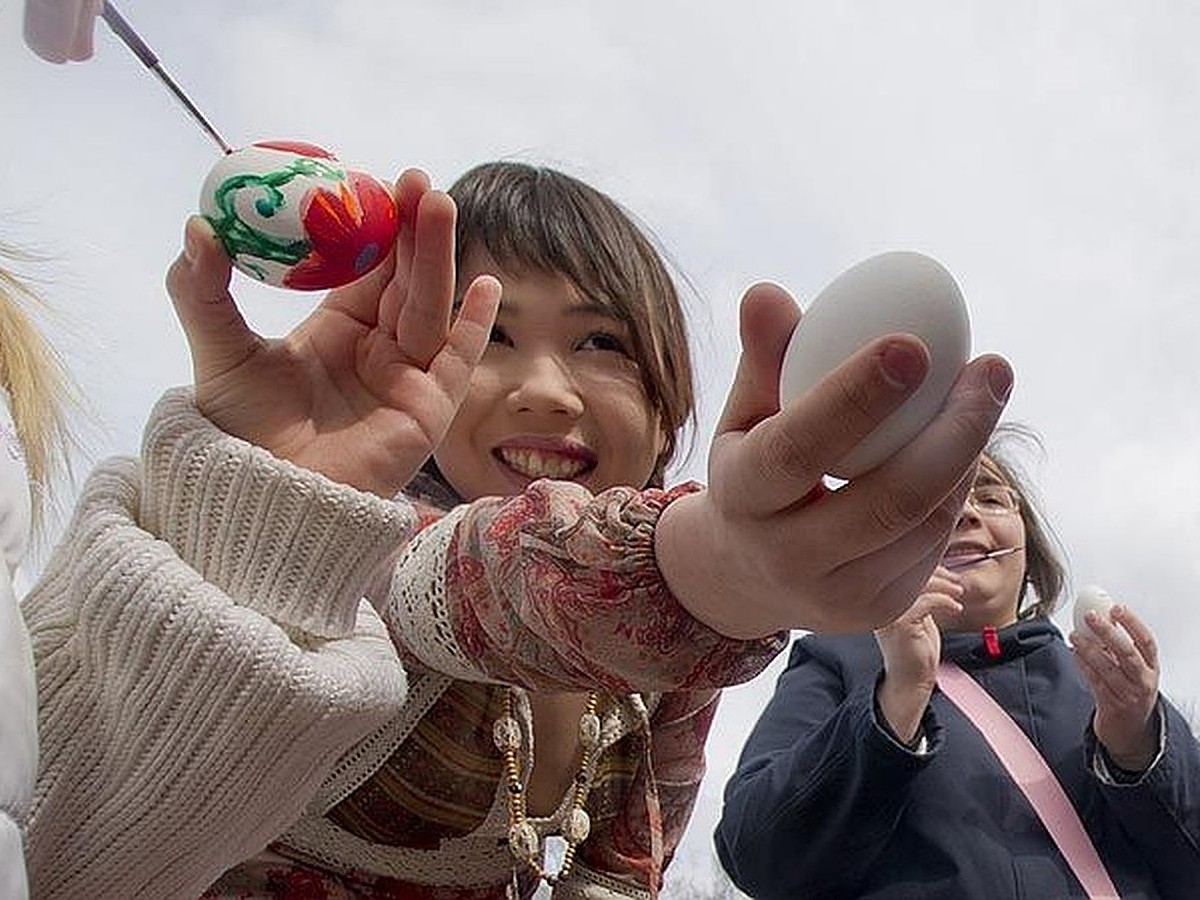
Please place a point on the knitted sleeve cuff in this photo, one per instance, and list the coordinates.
(279, 539)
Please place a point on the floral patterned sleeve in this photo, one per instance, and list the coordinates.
(558, 589)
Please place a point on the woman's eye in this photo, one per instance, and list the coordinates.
(499, 336)
(995, 498)
(602, 340)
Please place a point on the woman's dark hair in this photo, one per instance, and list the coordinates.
(538, 219)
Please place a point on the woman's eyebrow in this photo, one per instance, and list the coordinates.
(592, 308)
(986, 477)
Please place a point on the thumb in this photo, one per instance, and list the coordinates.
(768, 317)
(198, 282)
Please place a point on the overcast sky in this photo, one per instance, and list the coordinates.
(1046, 154)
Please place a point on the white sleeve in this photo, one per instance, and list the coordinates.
(14, 490)
(18, 697)
(203, 657)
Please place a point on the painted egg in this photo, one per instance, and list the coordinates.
(290, 214)
(1093, 599)
(886, 294)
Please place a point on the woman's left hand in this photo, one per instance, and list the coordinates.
(363, 389)
(1121, 666)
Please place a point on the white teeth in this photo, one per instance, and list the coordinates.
(536, 464)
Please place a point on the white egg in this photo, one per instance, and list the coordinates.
(1090, 599)
(891, 293)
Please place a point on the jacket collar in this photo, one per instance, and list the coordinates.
(976, 648)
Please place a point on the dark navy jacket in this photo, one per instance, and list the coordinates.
(826, 803)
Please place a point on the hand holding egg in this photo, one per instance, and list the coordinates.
(1119, 659)
(289, 214)
(379, 366)
(1094, 599)
(898, 292)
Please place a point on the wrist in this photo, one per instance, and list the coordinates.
(697, 574)
(1131, 765)
(902, 707)
(1134, 759)
(1135, 756)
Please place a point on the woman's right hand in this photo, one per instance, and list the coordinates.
(767, 547)
(911, 646)
(912, 643)
(365, 387)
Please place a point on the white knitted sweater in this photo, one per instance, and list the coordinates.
(235, 582)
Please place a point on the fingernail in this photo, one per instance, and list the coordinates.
(1000, 381)
(191, 247)
(903, 365)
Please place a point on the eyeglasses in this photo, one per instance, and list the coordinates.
(993, 500)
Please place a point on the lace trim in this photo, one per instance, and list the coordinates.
(475, 860)
(418, 613)
(588, 884)
(368, 755)
(478, 859)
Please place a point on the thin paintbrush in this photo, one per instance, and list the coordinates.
(964, 561)
(142, 51)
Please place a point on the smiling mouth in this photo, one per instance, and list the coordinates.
(535, 464)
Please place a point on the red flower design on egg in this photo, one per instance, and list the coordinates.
(350, 231)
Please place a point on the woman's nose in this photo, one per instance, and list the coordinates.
(545, 386)
(968, 515)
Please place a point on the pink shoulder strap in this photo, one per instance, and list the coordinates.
(1032, 775)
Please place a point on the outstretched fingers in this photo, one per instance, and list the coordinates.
(410, 187)
(767, 318)
(453, 364)
(918, 493)
(423, 317)
(890, 526)
(1143, 637)
(377, 298)
(782, 458)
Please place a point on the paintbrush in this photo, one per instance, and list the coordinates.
(963, 562)
(142, 51)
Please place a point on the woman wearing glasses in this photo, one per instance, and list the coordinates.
(863, 780)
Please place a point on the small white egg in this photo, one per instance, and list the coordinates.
(1090, 599)
(897, 292)
(1093, 598)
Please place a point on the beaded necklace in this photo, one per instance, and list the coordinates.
(523, 840)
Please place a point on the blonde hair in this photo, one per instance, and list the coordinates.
(38, 384)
